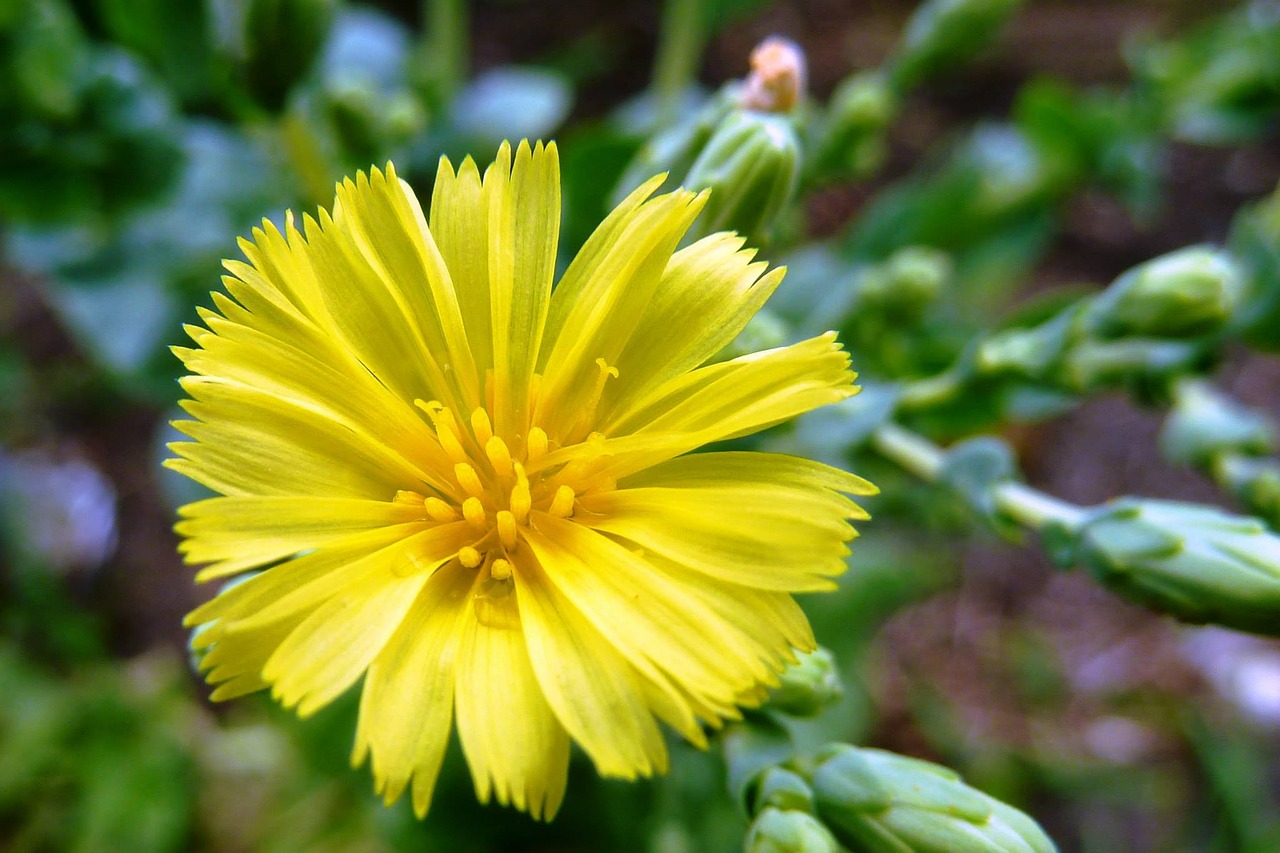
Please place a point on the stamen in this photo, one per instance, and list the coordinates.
(408, 498)
(446, 428)
(521, 497)
(468, 479)
(481, 426)
(507, 529)
(537, 444)
(562, 503)
(469, 557)
(499, 456)
(500, 570)
(473, 511)
(440, 511)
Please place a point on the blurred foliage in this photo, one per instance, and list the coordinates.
(139, 138)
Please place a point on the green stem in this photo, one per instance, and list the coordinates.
(934, 391)
(308, 161)
(1035, 509)
(447, 46)
(679, 49)
(924, 459)
(916, 454)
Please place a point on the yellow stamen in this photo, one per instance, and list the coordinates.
(562, 503)
(521, 497)
(446, 429)
(481, 426)
(537, 444)
(408, 498)
(507, 529)
(468, 479)
(500, 570)
(499, 456)
(469, 556)
(441, 511)
(473, 511)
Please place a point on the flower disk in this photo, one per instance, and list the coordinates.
(478, 493)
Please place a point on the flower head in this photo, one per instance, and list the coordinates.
(477, 493)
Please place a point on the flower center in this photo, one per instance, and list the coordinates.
(489, 488)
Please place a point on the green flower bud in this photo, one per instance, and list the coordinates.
(878, 801)
(942, 34)
(750, 164)
(675, 149)
(903, 286)
(752, 748)
(851, 140)
(1188, 293)
(808, 686)
(1204, 423)
(1196, 563)
(282, 40)
(778, 831)
(782, 789)
(1254, 481)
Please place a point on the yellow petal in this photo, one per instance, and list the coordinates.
(333, 646)
(588, 684)
(511, 737)
(459, 222)
(612, 293)
(707, 294)
(648, 617)
(522, 202)
(239, 533)
(407, 704)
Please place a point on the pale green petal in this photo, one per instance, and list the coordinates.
(512, 740)
(589, 685)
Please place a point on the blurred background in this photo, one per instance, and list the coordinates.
(139, 138)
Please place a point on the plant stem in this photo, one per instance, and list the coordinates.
(447, 46)
(679, 48)
(1034, 509)
(915, 453)
(306, 158)
(924, 459)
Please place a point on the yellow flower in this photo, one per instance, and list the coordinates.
(476, 492)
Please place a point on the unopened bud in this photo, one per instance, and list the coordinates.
(778, 831)
(1187, 293)
(750, 164)
(808, 685)
(903, 286)
(1254, 481)
(778, 78)
(851, 138)
(782, 789)
(282, 40)
(876, 800)
(1197, 563)
(942, 34)
(1204, 422)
